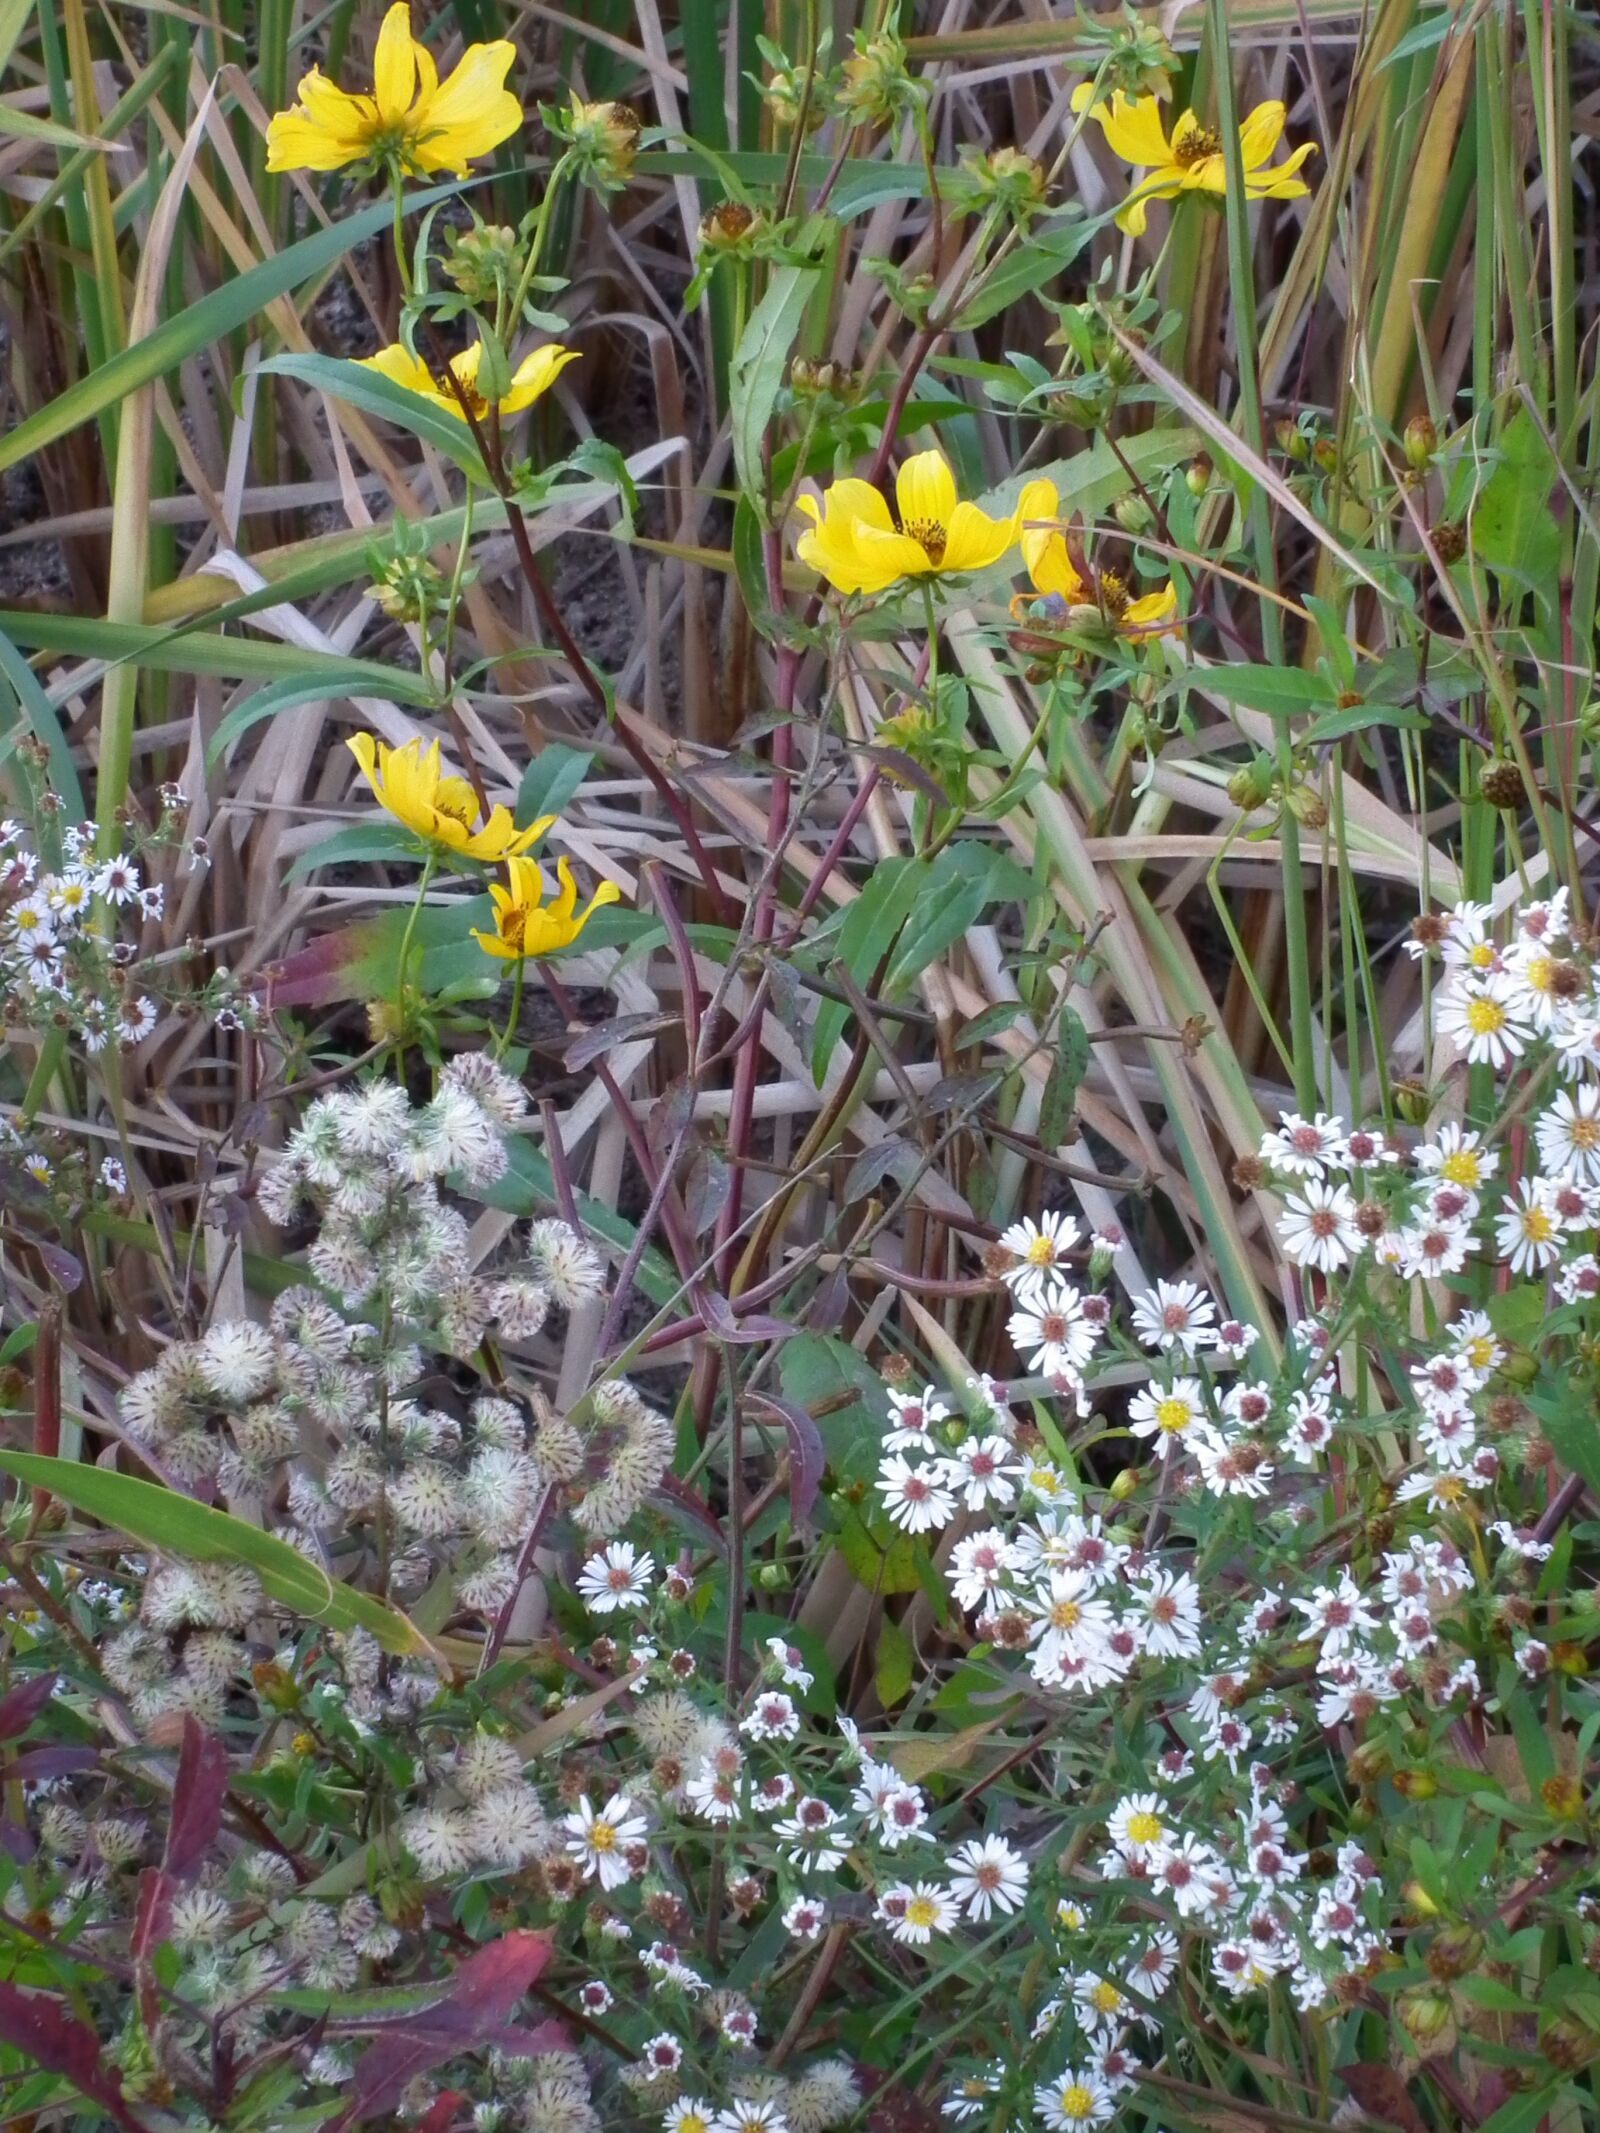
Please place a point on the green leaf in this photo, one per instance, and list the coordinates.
(1356, 718)
(1513, 529)
(870, 925)
(964, 880)
(897, 1662)
(223, 312)
(18, 680)
(375, 394)
(1036, 260)
(160, 1518)
(550, 781)
(1067, 1070)
(885, 1566)
(197, 651)
(1281, 692)
(264, 703)
(757, 372)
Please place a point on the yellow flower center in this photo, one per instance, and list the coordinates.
(1480, 1352)
(1463, 1167)
(1066, 1614)
(1144, 1828)
(692, 2122)
(1041, 1252)
(1585, 1132)
(1480, 956)
(1537, 1226)
(1172, 1416)
(1076, 2101)
(602, 1837)
(1113, 595)
(922, 1911)
(1540, 972)
(1105, 1998)
(1195, 146)
(1484, 1017)
(929, 536)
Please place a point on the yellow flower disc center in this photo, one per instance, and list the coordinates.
(1076, 2102)
(929, 536)
(1172, 1416)
(1195, 147)
(1484, 1017)
(1144, 1828)
(1461, 1168)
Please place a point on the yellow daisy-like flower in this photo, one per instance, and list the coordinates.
(411, 785)
(1050, 566)
(859, 547)
(525, 925)
(532, 378)
(425, 124)
(1192, 160)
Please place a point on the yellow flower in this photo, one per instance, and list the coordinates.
(525, 925)
(858, 547)
(1050, 566)
(426, 124)
(411, 786)
(532, 378)
(1192, 161)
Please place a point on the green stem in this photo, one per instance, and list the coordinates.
(515, 1016)
(405, 952)
(536, 243)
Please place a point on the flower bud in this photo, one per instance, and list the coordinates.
(1307, 806)
(1140, 62)
(728, 226)
(1133, 514)
(1455, 1952)
(275, 1685)
(1251, 785)
(1293, 442)
(1421, 441)
(875, 86)
(1415, 1784)
(1500, 783)
(1008, 179)
(1449, 541)
(1413, 1101)
(604, 138)
(1366, 1764)
(1125, 1484)
(1563, 1796)
(1568, 2044)
(482, 261)
(1197, 474)
(1428, 2020)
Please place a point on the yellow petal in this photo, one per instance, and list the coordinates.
(535, 375)
(469, 113)
(883, 558)
(850, 498)
(1050, 567)
(364, 747)
(326, 130)
(975, 540)
(493, 944)
(1261, 133)
(1280, 182)
(925, 490)
(401, 367)
(1133, 129)
(465, 365)
(1150, 615)
(394, 65)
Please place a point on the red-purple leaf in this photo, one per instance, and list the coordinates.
(806, 1455)
(19, 1707)
(480, 1998)
(33, 1764)
(197, 1799)
(39, 2027)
